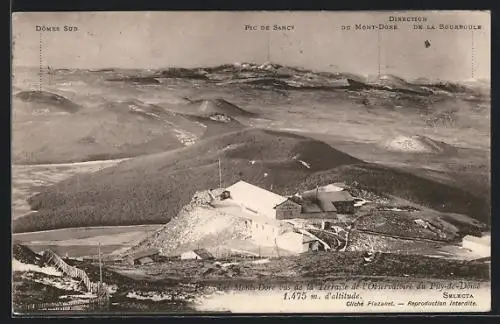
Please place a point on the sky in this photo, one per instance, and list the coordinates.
(190, 39)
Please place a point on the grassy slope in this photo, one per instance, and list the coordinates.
(152, 189)
(321, 267)
(424, 191)
(47, 129)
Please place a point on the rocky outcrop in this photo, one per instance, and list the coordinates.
(198, 225)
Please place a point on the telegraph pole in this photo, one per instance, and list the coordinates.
(100, 266)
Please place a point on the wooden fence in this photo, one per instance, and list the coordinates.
(74, 272)
(71, 271)
(98, 303)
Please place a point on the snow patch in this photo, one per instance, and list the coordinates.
(330, 188)
(262, 261)
(231, 146)
(404, 143)
(252, 162)
(396, 209)
(86, 295)
(150, 295)
(63, 283)
(185, 138)
(410, 144)
(133, 107)
(220, 118)
(23, 267)
(307, 165)
(153, 295)
(225, 265)
(41, 111)
(358, 202)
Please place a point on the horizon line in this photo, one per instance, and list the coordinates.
(488, 78)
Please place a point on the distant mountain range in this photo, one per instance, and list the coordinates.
(286, 77)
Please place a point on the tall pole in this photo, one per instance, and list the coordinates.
(220, 176)
(100, 267)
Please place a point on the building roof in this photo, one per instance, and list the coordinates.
(332, 196)
(256, 198)
(341, 185)
(203, 253)
(332, 187)
(337, 196)
(310, 206)
(144, 253)
(289, 200)
(326, 205)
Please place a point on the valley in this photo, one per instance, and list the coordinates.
(113, 161)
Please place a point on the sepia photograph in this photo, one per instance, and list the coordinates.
(250, 162)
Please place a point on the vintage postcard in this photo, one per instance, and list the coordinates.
(251, 162)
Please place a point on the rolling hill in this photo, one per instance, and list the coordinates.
(419, 144)
(219, 105)
(153, 188)
(208, 107)
(50, 128)
(48, 100)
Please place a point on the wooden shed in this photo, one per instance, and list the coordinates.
(144, 256)
(288, 210)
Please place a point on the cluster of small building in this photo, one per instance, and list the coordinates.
(271, 219)
(275, 221)
(269, 215)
